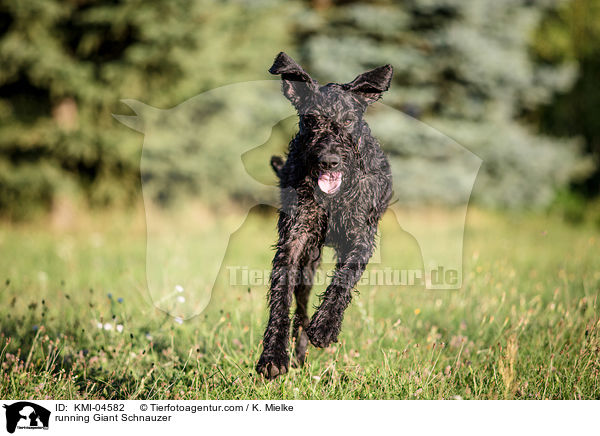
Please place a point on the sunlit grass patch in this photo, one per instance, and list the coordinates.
(78, 322)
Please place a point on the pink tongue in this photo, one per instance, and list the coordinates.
(330, 182)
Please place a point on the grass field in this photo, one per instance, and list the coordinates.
(77, 321)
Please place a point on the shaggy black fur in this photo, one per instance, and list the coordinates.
(334, 145)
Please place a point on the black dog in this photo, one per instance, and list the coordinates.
(335, 186)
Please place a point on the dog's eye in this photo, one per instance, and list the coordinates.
(348, 121)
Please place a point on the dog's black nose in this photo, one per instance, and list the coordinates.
(329, 162)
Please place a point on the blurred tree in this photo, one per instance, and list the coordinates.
(66, 63)
(571, 33)
(464, 68)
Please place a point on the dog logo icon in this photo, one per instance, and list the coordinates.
(26, 415)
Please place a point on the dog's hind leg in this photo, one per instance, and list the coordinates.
(301, 320)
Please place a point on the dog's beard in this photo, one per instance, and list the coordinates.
(330, 182)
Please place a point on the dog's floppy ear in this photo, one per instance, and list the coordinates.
(372, 84)
(297, 85)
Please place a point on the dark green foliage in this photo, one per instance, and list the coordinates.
(571, 34)
(571, 205)
(463, 68)
(66, 65)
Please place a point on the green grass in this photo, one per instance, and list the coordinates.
(524, 325)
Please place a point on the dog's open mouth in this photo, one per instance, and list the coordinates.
(330, 182)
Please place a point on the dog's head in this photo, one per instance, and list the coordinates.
(331, 119)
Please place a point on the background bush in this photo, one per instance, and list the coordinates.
(66, 65)
(497, 77)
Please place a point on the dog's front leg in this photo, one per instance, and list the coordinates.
(297, 240)
(326, 323)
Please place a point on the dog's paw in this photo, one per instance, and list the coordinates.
(299, 355)
(271, 366)
(322, 331)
